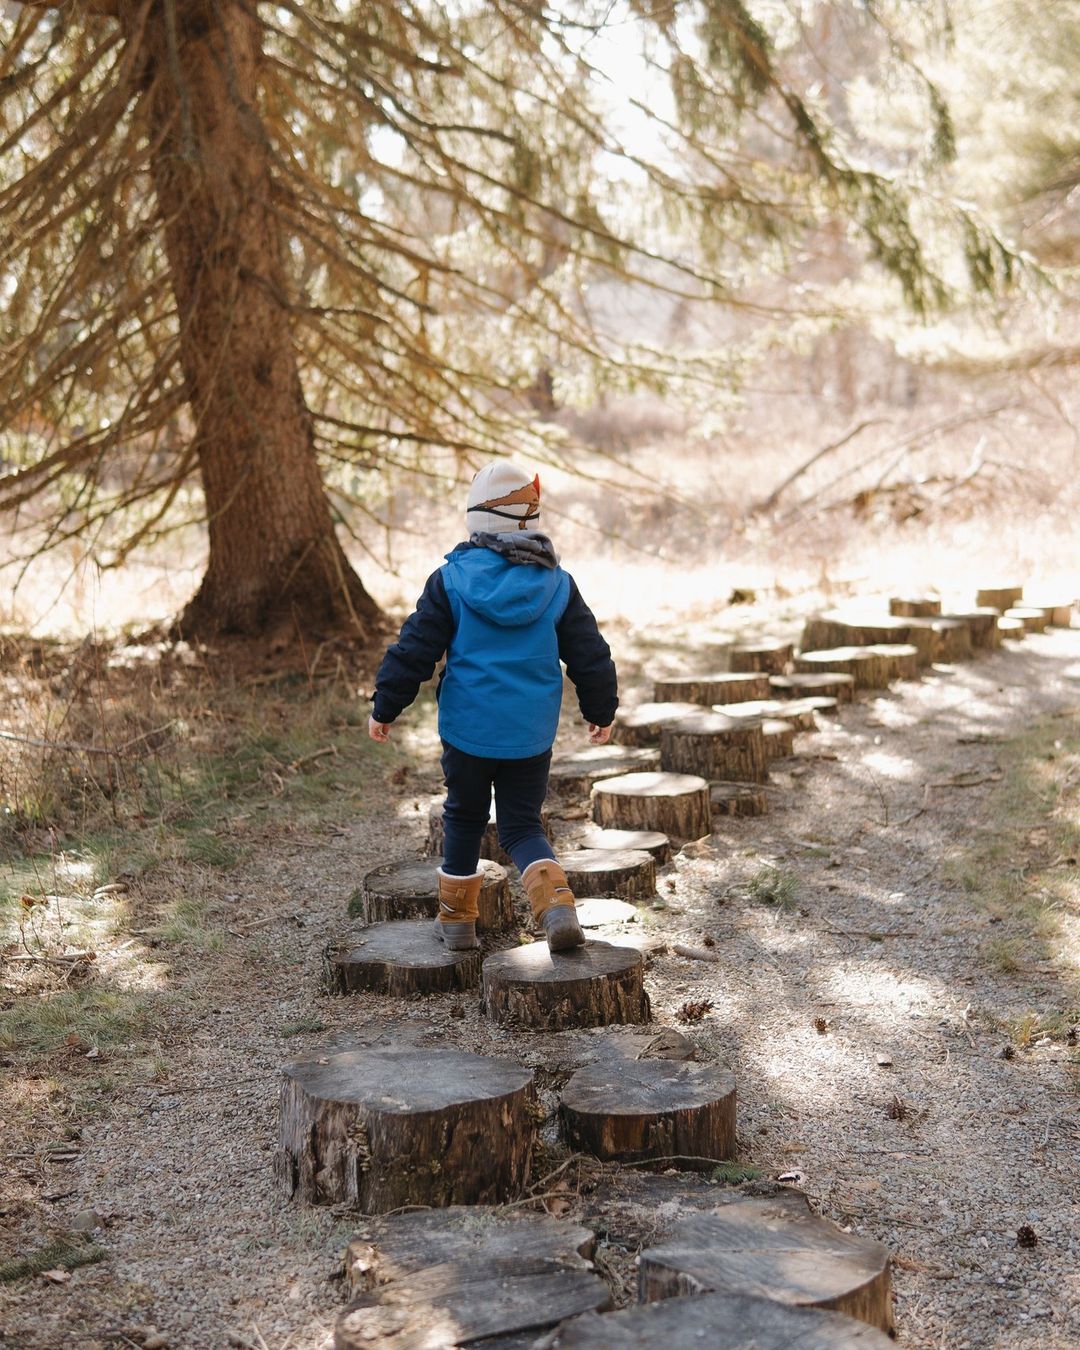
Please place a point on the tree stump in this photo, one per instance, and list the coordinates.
(825, 684)
(799, 712)
(770, 656)
(657, 845)
(676, 804)
(1034, 620)
(715, 746)
(572, 776)
(952, 640)
(779, 738)
(628, 873)
(603, 911)
(762, 1247)
(378, 1129)
(1058, 610)
(738, 799)
(839, 628)
(709, 689)
(902, 659)
(641, 726)
(981, 624)
(453, 1276)
(402, 959)
(1011, 628)
(869, 670)
(539, 990)
(627, 1110)
(1000, 598)
(718, 1322)
(410, 890)
(915, 606)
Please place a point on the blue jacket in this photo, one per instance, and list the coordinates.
(504, 627)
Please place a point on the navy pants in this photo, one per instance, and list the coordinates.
(520, 788)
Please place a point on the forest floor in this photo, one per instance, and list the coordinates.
(912, 896)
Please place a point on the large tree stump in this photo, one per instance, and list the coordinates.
(715, 746)
(952, 640)
(605, 911)
(402, 959)
(1034, 620)
(981, 624)
(1011, 628)
(454, 1276)
(902, 659)
(627, 1110)
(843, 628)
(824, 684)
(378, 1129)
(657, 845)
(641, 726)
(915, 606)
(869, 670)
(799, 712)
(762, 1247)
(718, 1322)
(627, 873)
(490, 848)
(769, 656)
(410, 890)
(572, 776)
(1058, 609)
(738, 799)
(1000, 598)
(779, 738)
(676, 804)
(539, 990)
(709, 689)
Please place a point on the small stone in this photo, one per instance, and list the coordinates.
(86, 1221)
(883, 1060)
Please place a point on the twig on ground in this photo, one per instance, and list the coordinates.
(695, 953)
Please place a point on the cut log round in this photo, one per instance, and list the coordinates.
(868, 669)
(627, 1110)
(738, 799)
(981, 623)
(902, 659)
(539, 990)
(627, 873)
(676, 804)
(779, 738)
(657, 845)
(401, 959)
(572, 776)
(915, 606)
(952, 640)
(454, 1276)
(641, 726)
(715, 746)
(770, 656)
(410, 890)
(718, 1322)
(604, 911)
(762, 1247)
(1000, 598)
(378, 1129)
(1034, 620)
(709, 689)
(799, 712)
(490, 848)
(1057, 609)
(826, 684)
(1011, 628)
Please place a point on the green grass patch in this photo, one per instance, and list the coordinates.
(210, 850)
(308, 1023)
(61, 1254)
(734, 1174)
(776, 886)
(110, 1020)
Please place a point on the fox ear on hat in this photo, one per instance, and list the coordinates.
(501, 499)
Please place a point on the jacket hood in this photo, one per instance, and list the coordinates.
(500, 591)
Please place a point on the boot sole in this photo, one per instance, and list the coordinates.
(562, 929)
(458, 937)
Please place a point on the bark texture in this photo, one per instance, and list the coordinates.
(1000, 598)
(779, 738)
(572, 776)
(827, 684)
(403, 959)
(769, 657)
(675, 804)
(591, 986)
(868, 669)
(629, 874)
(738, 799)
(716, 746)
(410, 890)
(641, 726)
(709, 689)
(915, 606)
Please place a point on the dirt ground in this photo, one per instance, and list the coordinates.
(897, 996)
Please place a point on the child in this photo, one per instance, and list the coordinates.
(505, 614)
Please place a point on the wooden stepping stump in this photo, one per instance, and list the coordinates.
(738, 799)
(709, 689)
(378, 1129)
(770, 656)
(538, 990)
(718, 1322)
(902, 659)
(869, 670)
(641, 726)
(799, 712)
(1034, 620)
(823, 684)
(627, 1110)
(779, 738)
(676, 804)
(915, 606)
(715, 746)
(603, 911)
(572, 776)
(410, 890)
(459, 1275)
(402, 959)
(952, 640)
(1058, 610)
(762, 1247)
(652, 842)
(490, 848)
(628, 873)
(981, 624)
(1000, 598)
(1011, 628)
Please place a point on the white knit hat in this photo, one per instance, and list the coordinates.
(503, 497)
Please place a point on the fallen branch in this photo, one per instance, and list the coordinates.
(298, 764)
(695, 953)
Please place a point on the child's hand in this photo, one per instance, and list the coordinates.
(378, 731)
(599, 735)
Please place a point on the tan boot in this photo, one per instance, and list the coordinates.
(552, 903)
(459, 908)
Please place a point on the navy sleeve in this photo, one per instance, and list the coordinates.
(424, 638)
(588, 661)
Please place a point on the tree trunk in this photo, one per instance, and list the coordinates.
(275, 561)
